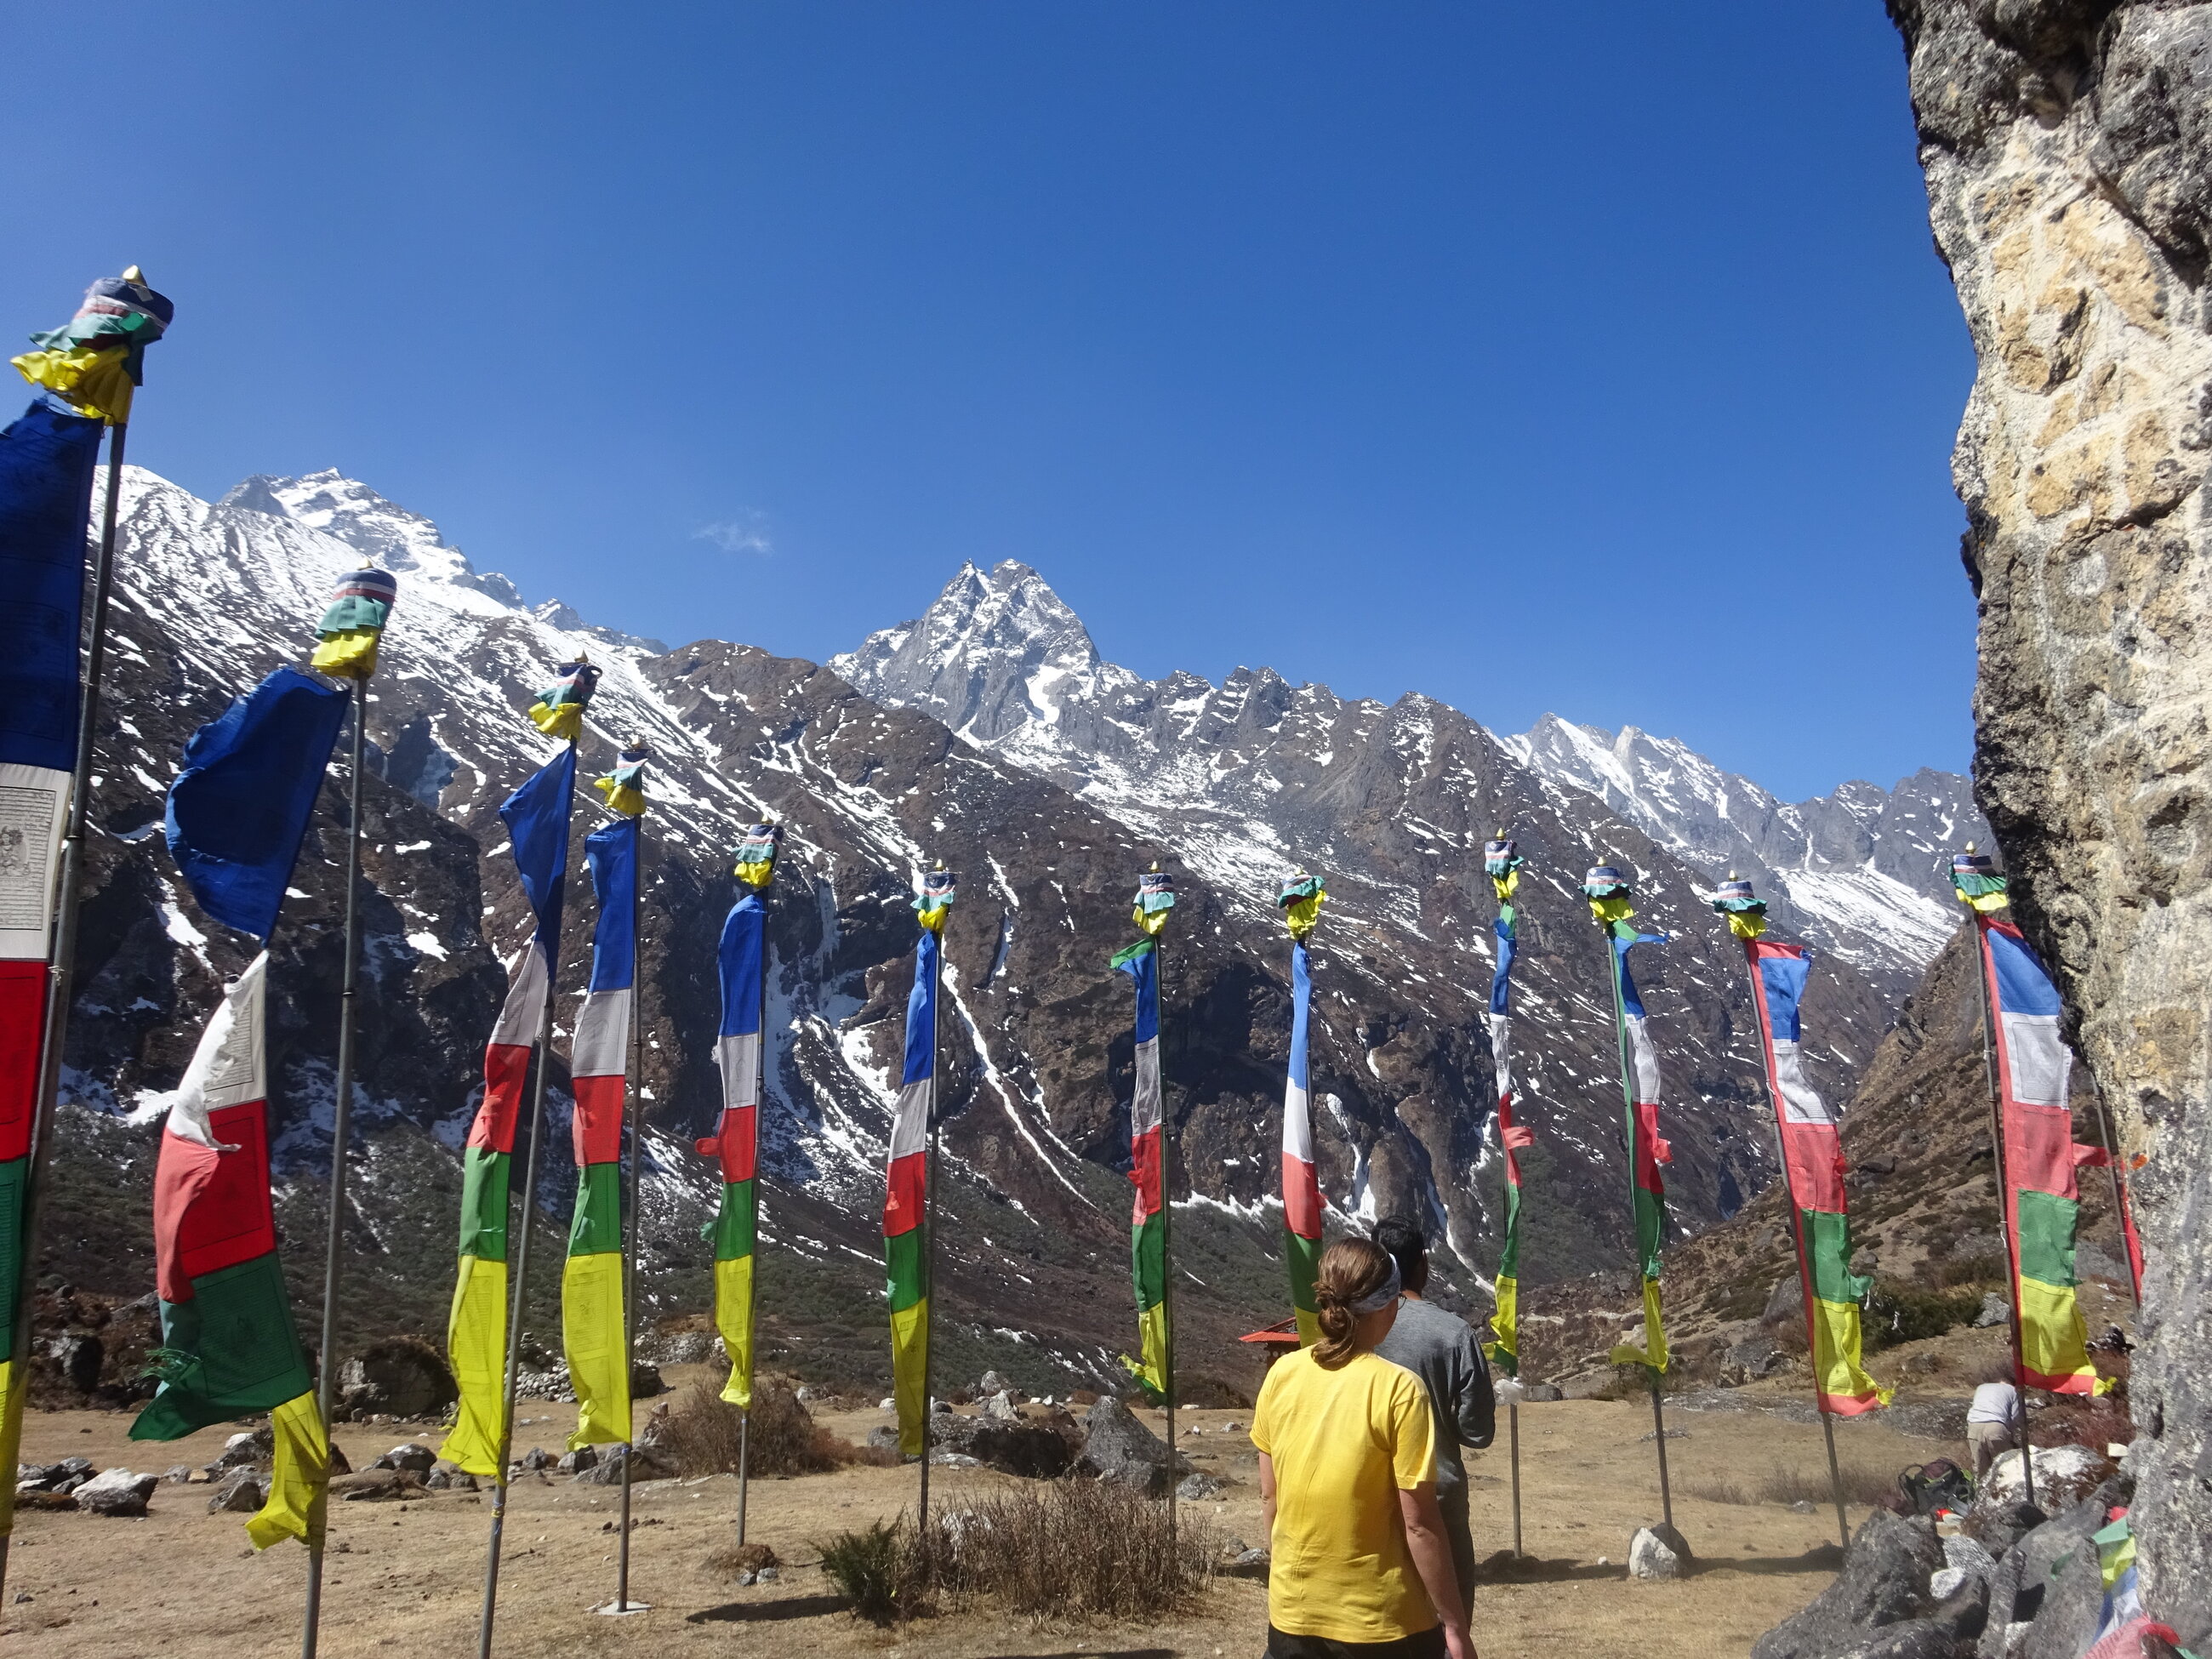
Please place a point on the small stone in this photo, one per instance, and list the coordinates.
(179, 1475)
(765, 1576)
(1945, 1582)
(579, 1462)
(1199, 1485)
(887, 1404)
(1802, 1506)
(743, 1578)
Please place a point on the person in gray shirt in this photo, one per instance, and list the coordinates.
(1442, 1351)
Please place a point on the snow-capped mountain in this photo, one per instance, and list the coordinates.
(1000, 658)
(993, 736)
(1864, 872)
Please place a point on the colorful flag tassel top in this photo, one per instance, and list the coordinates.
(593, 1329)
(354, 622)
(736, 1140)
(47, 460)
(1502, 863)
(1301, 902)
(536, 820)
(559, 710)
(1612, 902)
(94, 362)
(906, 1197)
(1812, 1160)
(1148, 1223)
(2042, 1202)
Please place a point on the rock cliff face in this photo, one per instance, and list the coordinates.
(2068, 149)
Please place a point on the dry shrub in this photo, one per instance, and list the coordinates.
(734, 1558)
(702, 1435)
(1786, 1483)
(1073, 1548)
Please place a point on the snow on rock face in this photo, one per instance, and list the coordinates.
(1862, 872)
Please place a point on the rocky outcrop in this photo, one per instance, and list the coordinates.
(2068, 149)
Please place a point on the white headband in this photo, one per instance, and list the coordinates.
(1392, 1288)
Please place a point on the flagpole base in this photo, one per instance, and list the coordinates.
(623, 1609)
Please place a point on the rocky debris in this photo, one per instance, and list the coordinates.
(1201, 1485)
(65, 1476)
(1235, 1560)
(1883, 1583)
(1116, 1446)
(536, 1460)
(239, 1492)
(994, 1383)
(643, 1462)
(399, 1376)
(549, 1381)
(2064, 1475)
(378, 1486)
(683, 1348)
(1657, 1552)
(1995, 1310)
(2046, 1591)
(444, 1479)
(412, 1456)
(254, 1448)
(1001, 1407)
(2080, 462)
(117, 1492)
(581, 1461)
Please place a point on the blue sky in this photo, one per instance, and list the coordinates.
(1593, 359)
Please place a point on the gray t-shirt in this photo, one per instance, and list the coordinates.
(1441, 1350)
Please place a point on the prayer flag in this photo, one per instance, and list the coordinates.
(1813, 1171)
(738, 1052)
(47, 460)
(1148, 1243)
(353, 621)
(624, 787)
(239, 810)
(906, 1196)
(1301, 903)
(559, 710)
(594, 1330)
(97, 360)
(1503, 865)
(1611, 900)
(536, 820)
(228, 1344)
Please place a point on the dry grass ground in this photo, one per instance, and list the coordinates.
(406, 1578)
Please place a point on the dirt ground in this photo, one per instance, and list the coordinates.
(407, 1578)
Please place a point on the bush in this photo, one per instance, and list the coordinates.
(1787, 1484)
(702, 1435)
(1897, 1313)
(1070, 1548)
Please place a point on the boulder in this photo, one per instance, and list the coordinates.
(1657, 1552)
(77, 1356)
(239, 1492)
(646, 1380)
(2064, 1475)
(579, 1462)
(1541, 1391)
(1966, 1555)
(117, 1492)
(1201, 1485)
(379, 1486)
(1117, 1447)
(1001, 1406)
(536, 1459)
(1995, 1311)
(643, 1462)
(1785, 1302)
(1884, 1582)
(1039, 1449)
(1998, 1527)
(399, 1376)
(412, 1456)
(244, 1451)
(2023, 1585)
(994, 1383)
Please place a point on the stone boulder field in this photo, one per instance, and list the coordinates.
(2068, 151)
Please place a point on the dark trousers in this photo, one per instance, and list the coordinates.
(1460, 1532)
(1425, 1644)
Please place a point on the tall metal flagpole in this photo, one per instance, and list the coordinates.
(2004, 1205)
(1167, 1224)
(62, 957)
(515, 1293)
(1620, 1040)
(630, 1218)
(326, 1370)
(1512, 1407)
(1796, 1229)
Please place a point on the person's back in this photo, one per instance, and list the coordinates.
(1343, 1442)
(1991, 1419)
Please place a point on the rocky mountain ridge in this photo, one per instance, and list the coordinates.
(1390, 802)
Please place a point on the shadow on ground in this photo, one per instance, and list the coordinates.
(768, 1613)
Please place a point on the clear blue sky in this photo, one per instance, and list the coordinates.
(1593, 359)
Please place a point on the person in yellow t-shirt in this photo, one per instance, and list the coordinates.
(1361, 1568)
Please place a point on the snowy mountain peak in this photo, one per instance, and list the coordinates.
(995, 651)
(350, 512)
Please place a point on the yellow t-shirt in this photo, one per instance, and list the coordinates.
(1344, 1443)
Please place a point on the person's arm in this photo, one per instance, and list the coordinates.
(1432, 1559)
(1476, 1408)
(1268, 1498)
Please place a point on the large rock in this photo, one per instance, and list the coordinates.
(2064, 1475)
(644, 1465)
(397, 1377)
(2021, 1587)
(239, 1492)
(1657, 1553)
(1118, 1447)
(117, 1492)
(1038, 1448)
(2067, 153)
(1884, 1582)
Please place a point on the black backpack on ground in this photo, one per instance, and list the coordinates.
(1941, 1484)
